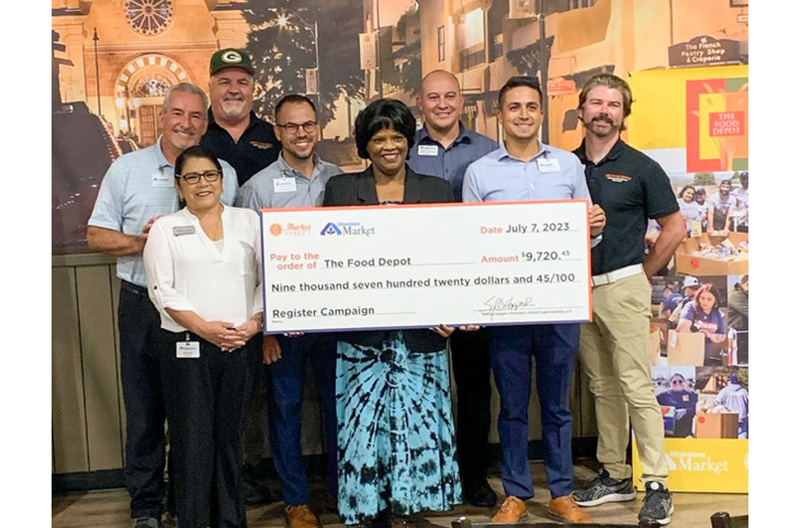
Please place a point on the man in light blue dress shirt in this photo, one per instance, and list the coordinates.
(296, 179)
(524, 169)
(444, 147)
(138, 188)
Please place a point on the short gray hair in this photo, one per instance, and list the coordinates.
(185, 87)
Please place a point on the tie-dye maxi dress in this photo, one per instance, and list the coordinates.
(396, 435)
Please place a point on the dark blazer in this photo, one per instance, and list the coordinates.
(359, 189)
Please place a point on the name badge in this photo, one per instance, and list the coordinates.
(187, 349)
(182, 230)
(160, 179)
(282, 185)
(548, 165)
(428, 150)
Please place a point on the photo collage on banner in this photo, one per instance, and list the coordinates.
(699, 330)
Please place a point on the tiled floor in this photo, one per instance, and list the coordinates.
(109, 509)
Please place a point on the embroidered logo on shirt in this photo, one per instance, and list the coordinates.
(618, 178)
(262, 145)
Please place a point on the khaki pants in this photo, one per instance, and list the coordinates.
(615, 354)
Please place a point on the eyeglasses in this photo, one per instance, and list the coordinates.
(192, 178)
(677, 382)
(292, 128)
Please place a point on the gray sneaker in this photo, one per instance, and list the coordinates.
(605, 489)
(657, 504)
(147, 522)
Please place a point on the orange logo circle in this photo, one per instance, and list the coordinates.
(275, 229)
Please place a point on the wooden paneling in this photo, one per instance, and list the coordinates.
(70, 445)
(115, 282)
(99, 366)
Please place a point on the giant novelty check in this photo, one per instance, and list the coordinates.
(337, 268)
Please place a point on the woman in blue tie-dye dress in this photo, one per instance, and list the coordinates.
(396, 438)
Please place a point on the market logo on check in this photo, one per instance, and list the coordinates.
(330, 229)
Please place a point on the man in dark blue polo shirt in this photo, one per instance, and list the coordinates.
(444, 147)
(631, 188)
(234, 132)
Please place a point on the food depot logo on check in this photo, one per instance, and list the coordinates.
(289, 229)
(347, 229)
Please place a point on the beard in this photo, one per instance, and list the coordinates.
(233, 108)
(595, 126)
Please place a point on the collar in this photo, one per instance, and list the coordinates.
(613, 154)
(213, 122)
(366, 194)
(543, 149)
(160, 158)
(285, 167)
(464, 135)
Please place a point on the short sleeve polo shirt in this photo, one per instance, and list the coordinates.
(631, 188)
(257, 149)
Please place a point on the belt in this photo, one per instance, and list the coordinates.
(617, 274)
(134, 288)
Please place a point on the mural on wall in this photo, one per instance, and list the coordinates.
(114, 59)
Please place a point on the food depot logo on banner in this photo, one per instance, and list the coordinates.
(289, 229)
(347, 229)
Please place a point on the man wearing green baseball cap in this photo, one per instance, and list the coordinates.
(235, 133)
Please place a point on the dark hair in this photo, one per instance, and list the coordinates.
(707, 287)
(685, 188)
(380, 114)
(514, 82)
(700, 190)
(744, 279)
(294, 98)
(744, 175)
(195, 152)
(723, 182)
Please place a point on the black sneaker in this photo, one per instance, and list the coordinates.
(605, 489)
(657, 504)
(147, 522)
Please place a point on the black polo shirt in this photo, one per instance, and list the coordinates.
(256, 149)
(630, 187)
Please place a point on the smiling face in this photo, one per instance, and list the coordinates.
(602, 114)
(688, 195)
(203, 195)
(231, 93)
(300, 144)
(440, 101)
(387, 149)
(725, 189)
(521, 114)
(184, 121)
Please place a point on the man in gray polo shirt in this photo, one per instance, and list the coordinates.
(296, 179)
(444, 147)
(138, 188)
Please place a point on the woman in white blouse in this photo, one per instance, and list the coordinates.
(203, 274)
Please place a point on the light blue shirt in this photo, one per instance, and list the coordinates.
(552, 174)
(137, 187)
(279, 186)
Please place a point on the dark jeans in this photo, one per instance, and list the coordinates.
(555, 347)
(139, 324)
(206, 399)
(285, 381)
(471, 370)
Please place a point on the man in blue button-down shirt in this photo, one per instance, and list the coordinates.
(138, 188)
(296, 179)
(523, 168)
(444, 147)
